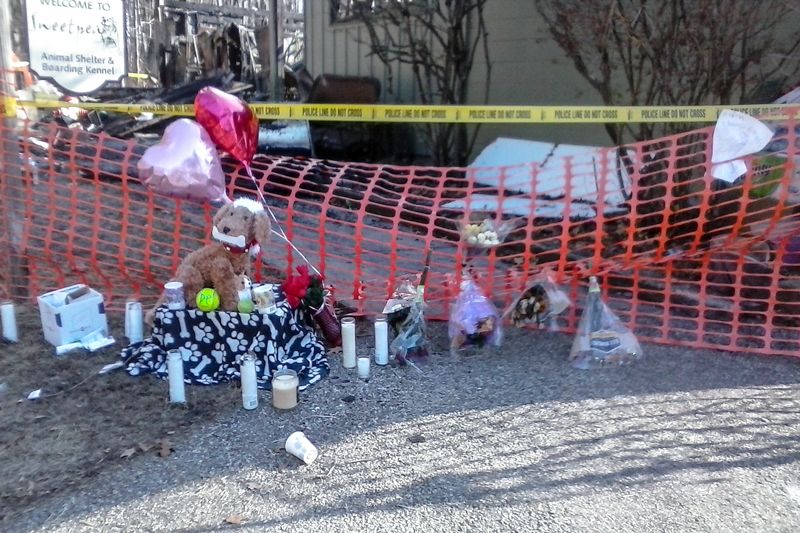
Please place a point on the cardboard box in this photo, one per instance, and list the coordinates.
(71, 313)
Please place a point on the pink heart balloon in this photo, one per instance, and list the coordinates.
(185, 164)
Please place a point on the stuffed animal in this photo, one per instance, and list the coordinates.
(239, 228)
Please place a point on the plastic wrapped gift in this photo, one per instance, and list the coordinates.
(602, 339)
(541, 302)
(405, 313)
(474, 320)
(484, 232)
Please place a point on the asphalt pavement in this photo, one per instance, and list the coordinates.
(507, 440)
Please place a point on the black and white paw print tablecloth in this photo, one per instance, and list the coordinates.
(212, 345)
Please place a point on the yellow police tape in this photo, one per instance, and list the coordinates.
(437, 113)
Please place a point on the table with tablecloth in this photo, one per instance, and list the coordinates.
(213, 343)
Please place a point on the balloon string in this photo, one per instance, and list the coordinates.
(279, 233)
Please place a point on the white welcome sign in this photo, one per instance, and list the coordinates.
(79, 44)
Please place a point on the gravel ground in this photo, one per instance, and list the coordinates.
(509, 441)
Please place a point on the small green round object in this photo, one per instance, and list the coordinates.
(245, 306)
(207, 300)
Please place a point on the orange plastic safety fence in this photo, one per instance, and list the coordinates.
(684, 259)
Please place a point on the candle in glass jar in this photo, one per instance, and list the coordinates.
(249, 382)
(173, 295)
(175, 373)
(9, 320)
(363, 368)
(284, 389)
(349, 342)
(133, 321)
(381, 341)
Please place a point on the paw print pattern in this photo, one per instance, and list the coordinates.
(192, 348)
(213, 343)
(218, 353)
(230, 320)
(202, 333)
(236, 342)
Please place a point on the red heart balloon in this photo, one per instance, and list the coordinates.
(229, 121)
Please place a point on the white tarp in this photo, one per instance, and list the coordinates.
(512, 162)
(521, 206)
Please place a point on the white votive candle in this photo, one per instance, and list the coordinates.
(247, 371)
(381, 341)
(363, 368)
(349, 342)
(9, 318)
(284, 389)
(177, 393)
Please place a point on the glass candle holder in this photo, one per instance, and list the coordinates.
(381, 340)
(177, 392)
(9, 319)
(349, 342)
(263, 298)
(363, 368)
(173, 295)
(285, 385)
(133, 321)
(247, 372)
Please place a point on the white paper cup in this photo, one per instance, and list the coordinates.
(298, 445)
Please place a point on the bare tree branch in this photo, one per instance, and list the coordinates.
(676, 52)
(440, 43)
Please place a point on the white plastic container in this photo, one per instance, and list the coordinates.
(67, 319)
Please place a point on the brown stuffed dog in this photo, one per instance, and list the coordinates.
(239, 227)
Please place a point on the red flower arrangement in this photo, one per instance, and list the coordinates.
(295, 287)
(309, 290)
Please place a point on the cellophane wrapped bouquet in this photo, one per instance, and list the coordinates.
(474, 320)
(539, 303)
(483, 232)
(405, 314)
(602, 339)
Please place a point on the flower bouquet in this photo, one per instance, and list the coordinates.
(309, 291)
(474, 320)
(405, 313)
(540, 303)
(484, 232)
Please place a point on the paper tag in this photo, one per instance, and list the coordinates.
(604, 341)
